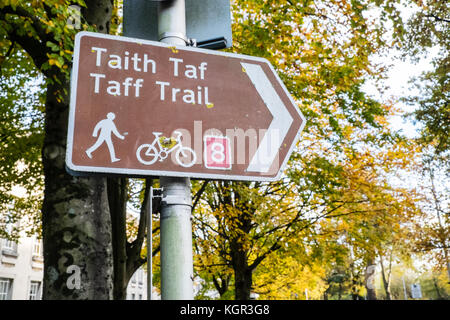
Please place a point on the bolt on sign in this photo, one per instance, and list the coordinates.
(144, 108)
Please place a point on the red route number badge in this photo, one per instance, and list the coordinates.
(217, 152)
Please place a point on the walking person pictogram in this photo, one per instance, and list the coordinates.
(106, 128)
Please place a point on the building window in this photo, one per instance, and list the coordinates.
(140, 275)
(37, 247)
(5, 289)
(35, 290)
(9, 245)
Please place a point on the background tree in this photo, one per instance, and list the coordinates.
(429, 28)
(21, 135)
(321, 50)
(432, 232)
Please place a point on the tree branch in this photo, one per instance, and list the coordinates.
(35, 48)
(199, 193)
(137, 243)
(307, 13)
(260, 258)
(36, 23)
(435, 17)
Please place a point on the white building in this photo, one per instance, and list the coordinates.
(137, 287)
(21, 272)
(21, 269)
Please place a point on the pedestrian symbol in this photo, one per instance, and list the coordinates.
(106, 128)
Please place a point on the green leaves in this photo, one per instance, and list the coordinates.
(429, 28)
(21, 136)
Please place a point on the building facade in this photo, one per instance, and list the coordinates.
(22, 270)
(137, 287)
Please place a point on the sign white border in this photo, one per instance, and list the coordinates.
(84, 170)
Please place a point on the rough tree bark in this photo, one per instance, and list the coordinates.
(242, 273)
(75, 214)
(117, 199)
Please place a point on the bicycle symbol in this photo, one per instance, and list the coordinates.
(148, 153)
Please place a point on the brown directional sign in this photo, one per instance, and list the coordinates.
(143, 108)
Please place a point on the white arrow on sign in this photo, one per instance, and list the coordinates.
(279, 127)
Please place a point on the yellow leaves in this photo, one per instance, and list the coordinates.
(167, 143)
(305, 282)
(57, 59)
(56, 62)
(49, 23)
(173, 49)
(347, 131)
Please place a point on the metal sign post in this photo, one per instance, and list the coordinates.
(207, 21)
(176, 240)
(176, 230)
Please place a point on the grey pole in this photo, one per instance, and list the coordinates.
(172, 22)
(176, 240)
(176, 228)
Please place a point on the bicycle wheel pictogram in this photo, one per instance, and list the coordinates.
(147, 154)
(186, 157)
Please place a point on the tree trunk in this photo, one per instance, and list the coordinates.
(325, 294)
(127, 256)
(370, 280)
(221, 284)
(75, 219)
(243, 283)
(133, 249)
(438, 292)
(75, 214)
(117, 199)
(354, 282)
(242, 271)
(386, 279)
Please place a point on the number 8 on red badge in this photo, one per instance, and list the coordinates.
(217, 153)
